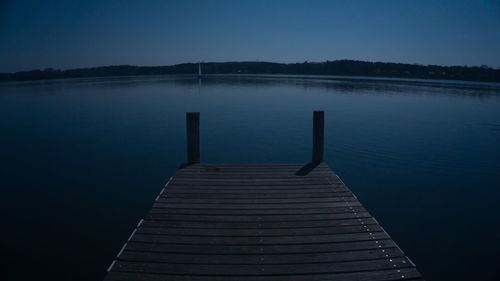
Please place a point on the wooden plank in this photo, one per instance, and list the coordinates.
(260, 259)
(245, 269)
(306, 190)
(260, 249)
(224, 182)
(250, 164)
(299, 201)
(239, 179)
(257, 224)
(292, 173)
(209, 204)
(255, 212)
(256, 232)
(255, 218)
(252, 240)
(246, 174)
(332, 187)
(243, 175)
(295, 171)
(256, 195)
(377, 275)
(193, 188)
(258, 171)
(240, 206)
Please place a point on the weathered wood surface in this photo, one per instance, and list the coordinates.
(193, 137)
(259, 222)
(318, 136)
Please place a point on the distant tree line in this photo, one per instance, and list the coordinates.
(338, 67)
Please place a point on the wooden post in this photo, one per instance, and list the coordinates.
(318, 136)
(193, 137)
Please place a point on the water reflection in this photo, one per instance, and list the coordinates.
(419, 156)
(337, 84)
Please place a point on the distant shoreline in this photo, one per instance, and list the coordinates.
(341, 68)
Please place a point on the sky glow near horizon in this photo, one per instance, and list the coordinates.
(68, 34)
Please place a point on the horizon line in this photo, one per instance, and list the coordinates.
(248, 61)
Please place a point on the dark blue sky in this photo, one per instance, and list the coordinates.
(67, 34)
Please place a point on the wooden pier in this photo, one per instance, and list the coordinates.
(272, 222)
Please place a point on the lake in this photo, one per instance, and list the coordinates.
(83, 159)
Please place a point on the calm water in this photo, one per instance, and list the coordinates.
(82, 160)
